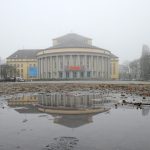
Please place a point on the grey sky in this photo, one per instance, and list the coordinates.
(121, 26)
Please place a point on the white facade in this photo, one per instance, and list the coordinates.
(67, 61)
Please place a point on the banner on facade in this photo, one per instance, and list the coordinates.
(32, 71)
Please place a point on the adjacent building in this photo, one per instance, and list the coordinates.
(25, 62)
(114, 67)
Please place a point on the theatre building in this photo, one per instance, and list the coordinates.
(73, 56)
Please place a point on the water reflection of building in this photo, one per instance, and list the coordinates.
(28, 109)
(70, 104)
(23, 100)
(73, 121)
(145, 110)
(71, 101)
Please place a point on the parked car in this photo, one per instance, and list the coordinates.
(19, 79)
(2, 80)
(7, 79)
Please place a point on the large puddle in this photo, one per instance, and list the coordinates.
(123, 127)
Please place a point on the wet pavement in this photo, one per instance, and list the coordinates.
(123, 127)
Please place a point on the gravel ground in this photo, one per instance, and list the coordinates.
(140, 88)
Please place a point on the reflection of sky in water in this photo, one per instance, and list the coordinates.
(124, 128)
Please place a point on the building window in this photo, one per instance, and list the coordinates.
(49, 74)
(74, 74)
(67, 74)
(18, 72)
(94, 73)
(99, 74)
(54, 74)
(81, 74)
(88, 74)
(21, 65)
(60, 74)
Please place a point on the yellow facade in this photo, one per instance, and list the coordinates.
(114, 68)
(22, 66)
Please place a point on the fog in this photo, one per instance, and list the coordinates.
(121, 26)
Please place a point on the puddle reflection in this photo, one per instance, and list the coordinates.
(119, 128)
(73, 121)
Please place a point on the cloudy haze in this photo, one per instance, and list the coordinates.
(121, 26)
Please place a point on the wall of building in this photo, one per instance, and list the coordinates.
(114, 69)
(23, 67)
(71, 63)
(81, 63)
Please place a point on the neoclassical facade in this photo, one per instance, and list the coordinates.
(73, 56)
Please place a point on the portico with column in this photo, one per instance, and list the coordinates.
(72, 57)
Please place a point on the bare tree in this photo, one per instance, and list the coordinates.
(135, 69)
(7, 71)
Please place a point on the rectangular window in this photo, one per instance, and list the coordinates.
(67, 74)
(88, 74)
(81, 74)
(74, 74)
(60, 74)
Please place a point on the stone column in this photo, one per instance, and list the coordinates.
(102, 66)
(42, 68)
(91, 65)
(51, 67)
(97, 67)
(109, 69)
(38, 68)
(64, 72)
(56, 67)
(85, 62)
(78, 64)
(71, 64)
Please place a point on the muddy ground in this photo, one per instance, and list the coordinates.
(13, 88)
